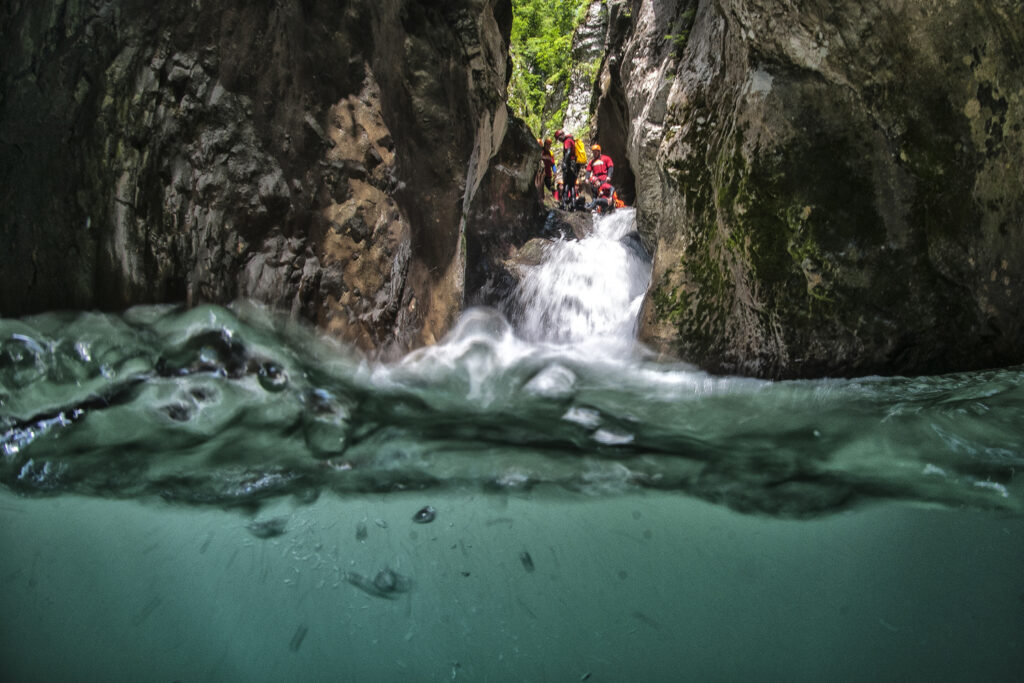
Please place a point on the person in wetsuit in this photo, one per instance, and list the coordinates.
(570, 169)
(599, 169)
(604, 202)
(549, 165)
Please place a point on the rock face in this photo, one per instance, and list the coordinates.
(831, 188)
(325, 158)
(588, 48)
(610, 119)
(506, 255)
(503, 210)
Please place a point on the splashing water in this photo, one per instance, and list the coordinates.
(587, 291)
(219, 406)
(212, 405)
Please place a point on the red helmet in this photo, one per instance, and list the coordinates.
(559, 134)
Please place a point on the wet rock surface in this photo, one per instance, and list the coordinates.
(587, 52)
(568, 224)
(306, 155)
(507, 272)
(268, 528)
(829, 190)
(504, 212)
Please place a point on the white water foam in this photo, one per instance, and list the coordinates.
(575, 317)
(588, 290)
(582, 302)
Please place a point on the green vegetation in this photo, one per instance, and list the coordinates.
(680, 39)
(541, 50)
(670, 303)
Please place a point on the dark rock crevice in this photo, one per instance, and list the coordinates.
(611, 113)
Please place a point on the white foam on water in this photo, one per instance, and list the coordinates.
(588, 291)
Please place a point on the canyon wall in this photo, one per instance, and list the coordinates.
(588, 49)
(830, 189)
(324, 159)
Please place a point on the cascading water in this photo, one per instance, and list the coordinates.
(587, 290)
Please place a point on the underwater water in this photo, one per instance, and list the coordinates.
(221, 494)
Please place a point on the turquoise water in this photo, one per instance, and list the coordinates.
(217, 494)
(651, 586)
(221, 494)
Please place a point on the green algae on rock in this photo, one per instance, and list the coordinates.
(829, 190)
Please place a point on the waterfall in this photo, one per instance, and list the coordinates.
(587, 290)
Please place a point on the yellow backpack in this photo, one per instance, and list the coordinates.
(581, 152)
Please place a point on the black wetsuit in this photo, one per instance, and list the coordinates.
(570, 170)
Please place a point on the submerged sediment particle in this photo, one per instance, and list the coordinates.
(268, 528)
(300, 635)
(146, 611)
(386, 581)
(206, 544)
(386, 584)
(646, 620)
(527, 561)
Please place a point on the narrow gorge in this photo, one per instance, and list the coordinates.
(828, 191)
(303, 377)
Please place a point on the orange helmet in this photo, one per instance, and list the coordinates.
(596, 147)
(547, 142)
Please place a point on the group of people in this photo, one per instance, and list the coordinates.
(572, 177)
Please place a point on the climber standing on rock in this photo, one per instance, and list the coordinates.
(549, 165)
(570, 168)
